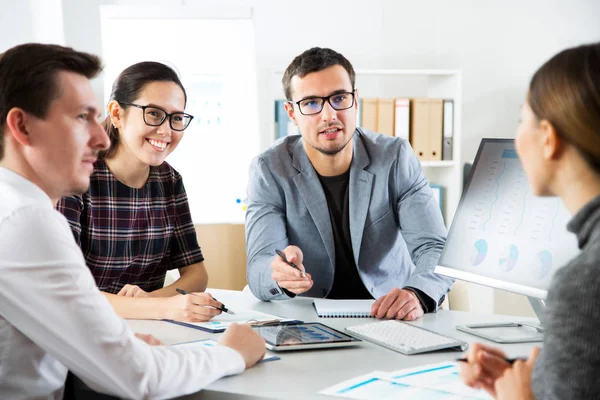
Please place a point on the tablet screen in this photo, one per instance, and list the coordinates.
(299, 334)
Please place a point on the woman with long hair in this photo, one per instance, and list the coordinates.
(558, 142)
(133, 224)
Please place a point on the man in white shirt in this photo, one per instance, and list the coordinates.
(52, 315)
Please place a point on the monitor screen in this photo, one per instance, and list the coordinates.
(502, 235)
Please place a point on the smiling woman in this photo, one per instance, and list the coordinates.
(133, 223)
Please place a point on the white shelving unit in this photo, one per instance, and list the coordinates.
(433, 83)
(411, 83)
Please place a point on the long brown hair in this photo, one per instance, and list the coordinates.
(566, 92)
(127, 88)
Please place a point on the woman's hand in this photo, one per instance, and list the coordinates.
(195, 307)
(485, 365)
(133, 291)
(515, 383)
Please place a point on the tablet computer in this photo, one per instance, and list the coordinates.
(307, 335)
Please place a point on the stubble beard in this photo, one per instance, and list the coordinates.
(332, 152)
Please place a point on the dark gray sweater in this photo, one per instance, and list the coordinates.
(569, 365)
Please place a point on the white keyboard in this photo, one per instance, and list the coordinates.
(404, 338)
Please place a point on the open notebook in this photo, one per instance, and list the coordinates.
(343, 308)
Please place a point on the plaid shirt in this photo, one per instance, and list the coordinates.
(133, 236)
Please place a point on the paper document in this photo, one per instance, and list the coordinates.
(443, 377)
(375, 386)
(223, 320)
(212, 343)
(430, 382)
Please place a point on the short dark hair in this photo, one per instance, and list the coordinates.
(127, 88)
(565, 91)
(314, 60)
(28, 77)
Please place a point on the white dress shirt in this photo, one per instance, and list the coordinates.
(53, 318)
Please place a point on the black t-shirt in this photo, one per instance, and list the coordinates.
(347, 284)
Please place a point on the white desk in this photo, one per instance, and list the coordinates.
(301, 374)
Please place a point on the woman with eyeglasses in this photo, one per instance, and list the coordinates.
(134, 224)
(558, 142)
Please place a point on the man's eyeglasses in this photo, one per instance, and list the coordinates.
(314, 105)
(155, 116)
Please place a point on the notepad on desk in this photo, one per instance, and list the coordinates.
(343, 308)
(220, 322)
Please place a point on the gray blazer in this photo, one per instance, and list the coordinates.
(396, 226)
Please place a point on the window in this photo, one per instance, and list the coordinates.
(214, 54)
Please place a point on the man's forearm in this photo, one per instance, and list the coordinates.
(260, 282)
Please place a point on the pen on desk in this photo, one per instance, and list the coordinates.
(291, 264)
(223, 308)
(508, 360)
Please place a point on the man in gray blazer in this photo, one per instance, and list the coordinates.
(350, 208)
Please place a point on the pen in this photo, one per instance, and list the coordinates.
(291, 264)
(508, 360)
(223, 308)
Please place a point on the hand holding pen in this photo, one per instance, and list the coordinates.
(291, 264)
(482, 366)
(288, 270)
(511, 361)
(195, 307)
(217, 305)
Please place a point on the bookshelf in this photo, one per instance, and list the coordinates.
(415, 83)
(424, 83)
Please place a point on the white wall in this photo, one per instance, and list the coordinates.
(498, 45)
(47, 21)
(30, 21)
(15, 23)
(82, 31)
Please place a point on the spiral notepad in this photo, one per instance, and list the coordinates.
(343, 308)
